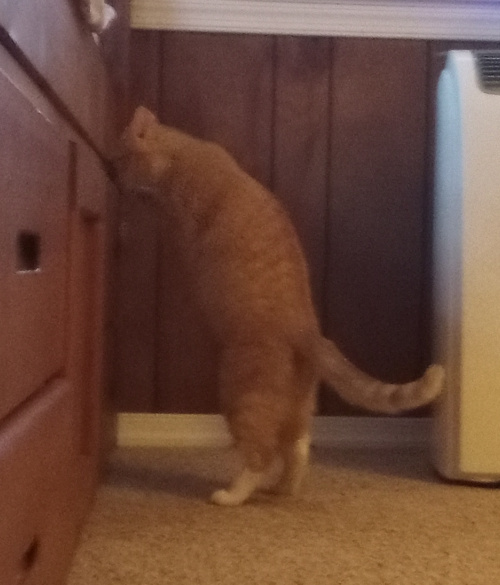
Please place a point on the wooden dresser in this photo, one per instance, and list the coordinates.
(57, 210)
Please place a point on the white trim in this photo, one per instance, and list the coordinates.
(171, 430)
(425, 19)
(191, 430)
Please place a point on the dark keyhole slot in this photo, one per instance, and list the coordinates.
(28, 251)
(31, 555)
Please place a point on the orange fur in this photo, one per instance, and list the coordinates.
(250, 277)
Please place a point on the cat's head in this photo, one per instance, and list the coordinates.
(140, 160)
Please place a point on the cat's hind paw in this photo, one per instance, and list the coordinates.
(225, 498)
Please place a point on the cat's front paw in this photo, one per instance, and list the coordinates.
(225, 498)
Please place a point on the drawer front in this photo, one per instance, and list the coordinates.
(37, 494)
(34, 189)
(88, 278)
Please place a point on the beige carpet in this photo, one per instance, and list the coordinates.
(365, 518)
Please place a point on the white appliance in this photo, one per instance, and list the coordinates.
(466, 441)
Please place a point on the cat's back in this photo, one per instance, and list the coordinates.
(244, 252)
(235, 210)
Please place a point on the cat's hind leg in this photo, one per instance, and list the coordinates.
(253, 379)
(258, 448)
(295, 463)
(296, 440)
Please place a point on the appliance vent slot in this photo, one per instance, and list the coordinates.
(488, 63)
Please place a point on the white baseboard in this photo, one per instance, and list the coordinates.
(424, 19)
(171, 430)
(193, 430)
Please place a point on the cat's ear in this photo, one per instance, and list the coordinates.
(142, 122)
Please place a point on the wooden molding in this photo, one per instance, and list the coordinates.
(424, 19)
(193, 430)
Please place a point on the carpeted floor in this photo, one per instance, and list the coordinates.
(364, 518)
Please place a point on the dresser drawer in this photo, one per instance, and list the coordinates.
(34, 188)
(37, 520)
(54, 39)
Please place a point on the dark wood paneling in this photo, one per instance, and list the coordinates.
(220, 87)
(301, 138)
(145, 69)
(187, 359)
(376, 208)
(135, 375)
(137, 310)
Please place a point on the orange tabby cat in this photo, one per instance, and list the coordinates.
(250, 278)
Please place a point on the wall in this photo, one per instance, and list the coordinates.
(341, 130)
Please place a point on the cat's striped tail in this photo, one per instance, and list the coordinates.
(360, 389)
